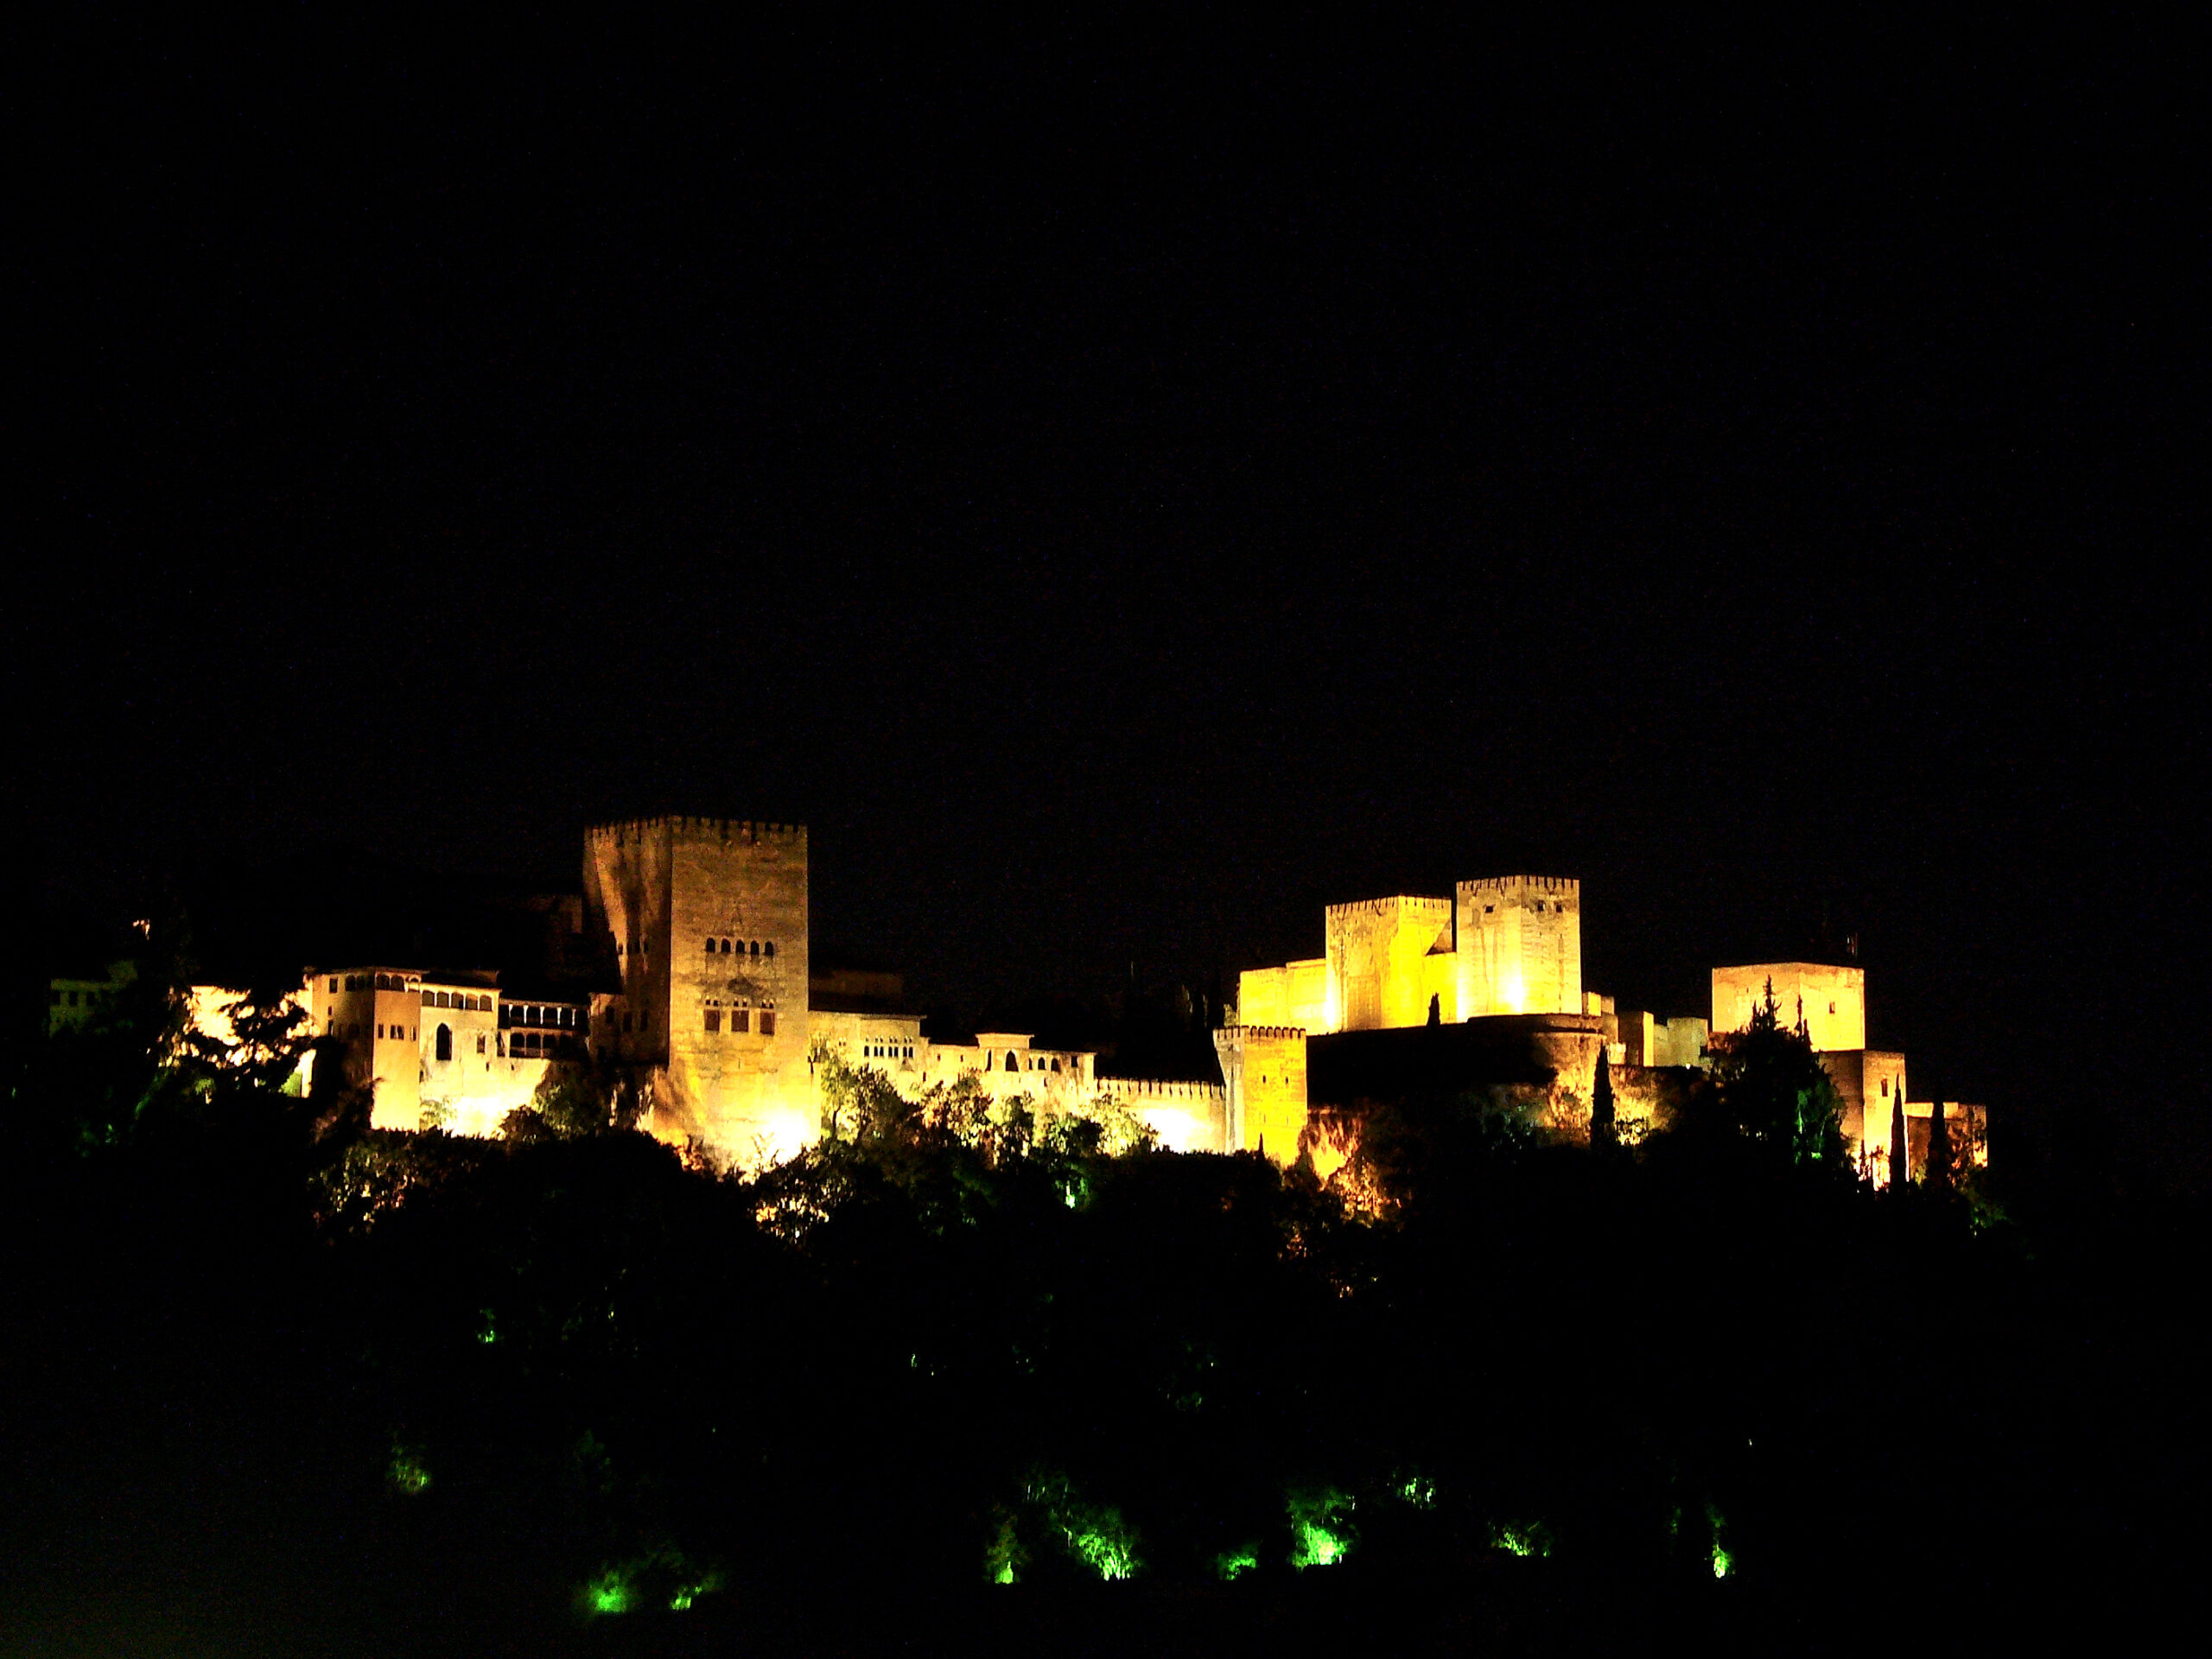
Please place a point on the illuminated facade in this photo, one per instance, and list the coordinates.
(1508, 945)
(433, 1050)
(1829, 1001)
(694, 958)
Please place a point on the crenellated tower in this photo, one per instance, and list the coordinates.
(707, 922)
(1520, 939)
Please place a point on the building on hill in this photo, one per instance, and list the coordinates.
(1829, 1000)
(686, 958)
(438, 1049)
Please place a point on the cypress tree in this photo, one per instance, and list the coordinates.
(1601, 1102)
(1939, 1149)
(1900, 1146)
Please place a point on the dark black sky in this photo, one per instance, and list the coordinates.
(1126, 493)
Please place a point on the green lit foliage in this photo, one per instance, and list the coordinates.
(1717, 1554)
(614, 1591)
(406, 1472)
(1523, 1538)
(1004, 1558)
(1094, 1535)
(1321, 1531)
(1087, 1533)
(663, 1579)
(1770, 1089)
(1233, 1564)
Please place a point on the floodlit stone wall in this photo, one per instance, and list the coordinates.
(1263, 1078)
(1870, 1083)
(1296, 994)
(1386, 958)
(1520, 945)
(1833, 998)
(1186, 1116)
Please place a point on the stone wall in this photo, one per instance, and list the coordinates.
(1387, 959)
(1186, 1116)
(1296, 994)
(1870, 1083)
(1520, 945)
(1263, 1076)
(1833, 998)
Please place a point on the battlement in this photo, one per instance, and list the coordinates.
(1382, 906)
(1149, 1091)
(1241, 1033)
(1564, 887)
(686, 829)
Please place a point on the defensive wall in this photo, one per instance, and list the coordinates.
(1263, 1082)
(1186, 1116)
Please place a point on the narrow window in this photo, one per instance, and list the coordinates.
(725, 947)
(1012, 1063)
(379, 1031)
(334, 981)
(769, 949)
(740, 1019)
(714, 1020)
(767, 1022)
(479, 1042)
(445, 1042)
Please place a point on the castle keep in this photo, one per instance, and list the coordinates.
(693, 968)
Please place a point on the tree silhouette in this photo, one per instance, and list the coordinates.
(1602, 1128)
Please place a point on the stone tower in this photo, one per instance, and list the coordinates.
(1387, 959)
(1520, 945)
(706, 921)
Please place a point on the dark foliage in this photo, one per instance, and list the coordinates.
(436, 1390)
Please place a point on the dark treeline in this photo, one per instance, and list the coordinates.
(957, 1378)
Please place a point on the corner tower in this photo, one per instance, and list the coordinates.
(707, 921)
(1520, 945)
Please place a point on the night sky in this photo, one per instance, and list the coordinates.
(1125, 494)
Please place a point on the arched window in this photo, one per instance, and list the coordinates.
(769, 948)
(1012, 1063)
(445, 1042)
(756, 947)
(725, 947)
(710, 947)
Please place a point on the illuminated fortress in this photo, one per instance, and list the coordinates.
(694, 935)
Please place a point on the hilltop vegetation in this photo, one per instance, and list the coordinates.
(955, 1362)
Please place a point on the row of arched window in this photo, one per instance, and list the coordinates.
(466, 1001)
(1013, 1061)
(719, 947)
